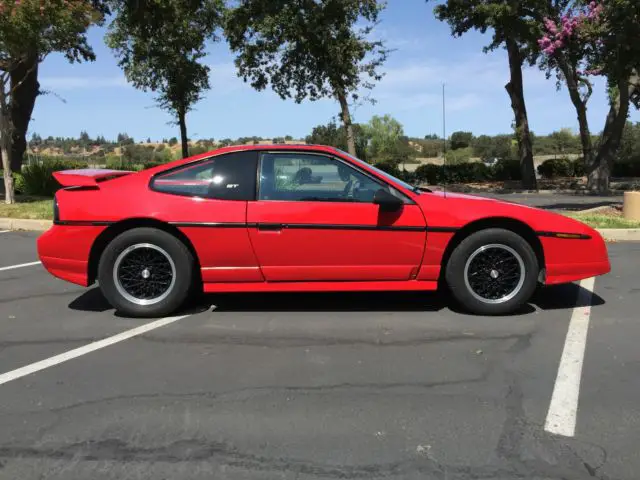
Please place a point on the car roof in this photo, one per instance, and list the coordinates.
(244, 148)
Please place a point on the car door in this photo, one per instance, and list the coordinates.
(207, 201)
(314, 220)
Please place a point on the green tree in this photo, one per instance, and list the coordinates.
(29, 31)
(173, 141)
(514, 29)
(461, 140)
(160, 45)
(583, 39)
(308, 49)
(335, 136)
(563, 140)
(630, 143)
(385, 134)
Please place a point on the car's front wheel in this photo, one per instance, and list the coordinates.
(492, 272)
(146, 272)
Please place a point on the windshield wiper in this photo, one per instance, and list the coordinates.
(419, 189)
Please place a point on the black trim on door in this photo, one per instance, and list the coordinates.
(277, 226)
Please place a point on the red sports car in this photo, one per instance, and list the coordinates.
(301, 218)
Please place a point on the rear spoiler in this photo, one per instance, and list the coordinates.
(87, 177)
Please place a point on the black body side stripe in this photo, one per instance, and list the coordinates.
(82, 223)
(278, 226)
(211, 224)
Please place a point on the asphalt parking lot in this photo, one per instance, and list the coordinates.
(317, 386)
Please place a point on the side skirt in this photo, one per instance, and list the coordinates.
(409, 285)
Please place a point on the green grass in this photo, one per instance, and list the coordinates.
(605, 221)
(28, 207)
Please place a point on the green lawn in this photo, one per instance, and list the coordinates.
(605, 221)
(28, 207)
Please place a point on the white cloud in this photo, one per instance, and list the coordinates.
(69, 83)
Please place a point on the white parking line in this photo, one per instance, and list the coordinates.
(22, 265)
(5, 231)
(561, 418)
(92, 347)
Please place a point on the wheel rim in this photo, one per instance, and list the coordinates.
(144, 274)
(494, 273)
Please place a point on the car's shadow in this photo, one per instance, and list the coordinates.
(547, 298)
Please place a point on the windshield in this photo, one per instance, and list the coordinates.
(382, 172)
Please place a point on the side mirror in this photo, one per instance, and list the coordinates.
(387, 202)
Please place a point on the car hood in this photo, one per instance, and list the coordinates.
(457, 210)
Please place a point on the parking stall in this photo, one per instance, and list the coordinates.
(314, 385)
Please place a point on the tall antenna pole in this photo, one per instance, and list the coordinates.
(444, 136)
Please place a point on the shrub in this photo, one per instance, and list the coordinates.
(461, 155)
(626, 169)
(461, 173)
(37, 179)
(562, 167)
(507, 170)
(392, 168)
(430, 174)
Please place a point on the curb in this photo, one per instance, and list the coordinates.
(609, 234)
(620, 234)
(25, 224)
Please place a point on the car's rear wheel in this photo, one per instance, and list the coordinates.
(492, 272)
(146, 272)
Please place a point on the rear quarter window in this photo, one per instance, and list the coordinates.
(231, 176)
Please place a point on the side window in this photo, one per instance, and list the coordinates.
(227, 177)
(309, 177)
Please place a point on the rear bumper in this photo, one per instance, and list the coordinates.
(74, 271)
(64, 251)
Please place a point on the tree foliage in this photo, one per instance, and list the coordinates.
(581, 39)
(461, 140)
(305, 49)
(29, 31)
(513, 26)
(160, 45)
(336, 136)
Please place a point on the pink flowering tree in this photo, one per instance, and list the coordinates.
(29, 31)
(584, 40)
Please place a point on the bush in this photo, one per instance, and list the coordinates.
(461, 155)
(37, 179)
(626, 169)
(505, 170)
(461, 173)
(393, 169)
(561, 167)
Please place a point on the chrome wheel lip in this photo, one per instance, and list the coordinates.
(514, 292)
(123, 292)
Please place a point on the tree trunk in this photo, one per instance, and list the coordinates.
(346, 121)
(599, 176)
(515, 89)
(23, 100)
(5, 145)
(183, 132)
(580, 105)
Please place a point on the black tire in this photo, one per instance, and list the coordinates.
(179, 262)
(501, 244)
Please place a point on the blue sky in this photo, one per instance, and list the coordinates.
(96, 97)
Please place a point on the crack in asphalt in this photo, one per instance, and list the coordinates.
(293, 341)
(268, 389)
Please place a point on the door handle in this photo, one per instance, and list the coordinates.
(270, 227)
